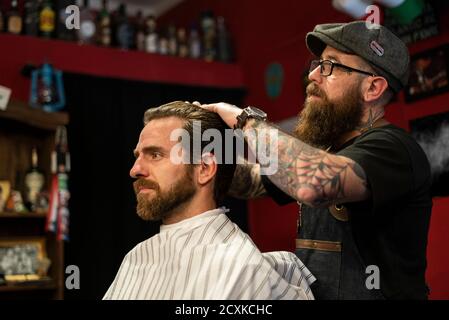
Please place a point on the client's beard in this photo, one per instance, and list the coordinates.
(164, 203)
(322, 122)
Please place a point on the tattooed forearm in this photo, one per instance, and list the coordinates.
(247, 183)
(311, 175)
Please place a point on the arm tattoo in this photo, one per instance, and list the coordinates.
(312, 175)
(247, 183)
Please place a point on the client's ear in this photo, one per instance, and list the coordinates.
(207, 168)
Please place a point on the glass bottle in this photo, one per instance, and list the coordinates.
(223, 41)
(163, 42)
(194, 43)
(209, 35)
(140, 31)
(2, 20)
(47, 20)
(31, 18)
(62, 17)
(172, 40)
(104, 26)
(125, 32)
(34, 181)
(14, 19)
(151, 37)
(86, 33)
(183, 46)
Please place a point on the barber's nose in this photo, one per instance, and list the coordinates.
(315, 75)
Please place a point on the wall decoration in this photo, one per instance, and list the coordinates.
(23, 259)
(424, 26)
(432, 134)
(274, 79)
(429, 74)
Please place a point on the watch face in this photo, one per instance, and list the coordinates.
(257, 112)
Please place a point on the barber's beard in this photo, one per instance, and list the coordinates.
(322, 122)
(163, 203)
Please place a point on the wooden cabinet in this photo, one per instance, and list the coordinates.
(21, 129)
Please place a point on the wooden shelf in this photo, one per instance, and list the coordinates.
(21, 112)
(21, 128)
(29, 286)
(22, 215)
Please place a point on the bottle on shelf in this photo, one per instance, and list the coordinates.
(62, 31)
(223, 41)
(163, 42)
(2, 21)
(209, 35)
(172, 40)
(104, 26)
(151, 37)
(194, 43)
(47, 20)
(60, 156)
(31, 18)
(140, 31)
(86, 32)
(124, 30)
(15, 23)
(183, 45)
(34, 182)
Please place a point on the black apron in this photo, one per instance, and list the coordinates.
(326, 246)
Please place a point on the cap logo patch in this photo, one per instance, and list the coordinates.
(377, 48)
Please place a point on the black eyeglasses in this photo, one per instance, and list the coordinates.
(327, 66)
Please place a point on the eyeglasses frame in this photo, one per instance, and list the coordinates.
(336, 64)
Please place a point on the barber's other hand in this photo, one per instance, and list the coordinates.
(226, 111)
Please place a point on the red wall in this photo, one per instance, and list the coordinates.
(266, 32)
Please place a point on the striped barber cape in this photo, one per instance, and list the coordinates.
(208, 257)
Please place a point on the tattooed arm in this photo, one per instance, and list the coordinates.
(311, 175)
(307, 174)
(247, 183)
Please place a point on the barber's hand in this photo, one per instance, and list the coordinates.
(226, 111)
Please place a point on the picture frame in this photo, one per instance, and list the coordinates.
(5, 190)
(23, 259)
(429, 74)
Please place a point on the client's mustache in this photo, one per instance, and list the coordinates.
(313, 90)
(147, 184)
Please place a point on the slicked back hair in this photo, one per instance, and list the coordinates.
(209, 120)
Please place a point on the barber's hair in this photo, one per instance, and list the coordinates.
(209, 120)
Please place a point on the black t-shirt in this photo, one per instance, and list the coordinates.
(390, 229)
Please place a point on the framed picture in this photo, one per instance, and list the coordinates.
(429, 74)
(432, 134)
(23, 259)
(5, 189)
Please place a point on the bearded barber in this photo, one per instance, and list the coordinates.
(362, 184)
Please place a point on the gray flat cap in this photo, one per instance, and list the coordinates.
(378, 46)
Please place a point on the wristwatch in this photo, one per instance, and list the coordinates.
(247, 113)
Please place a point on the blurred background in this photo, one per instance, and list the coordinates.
(72, 98)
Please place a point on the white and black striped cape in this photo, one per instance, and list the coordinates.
(208, 257)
